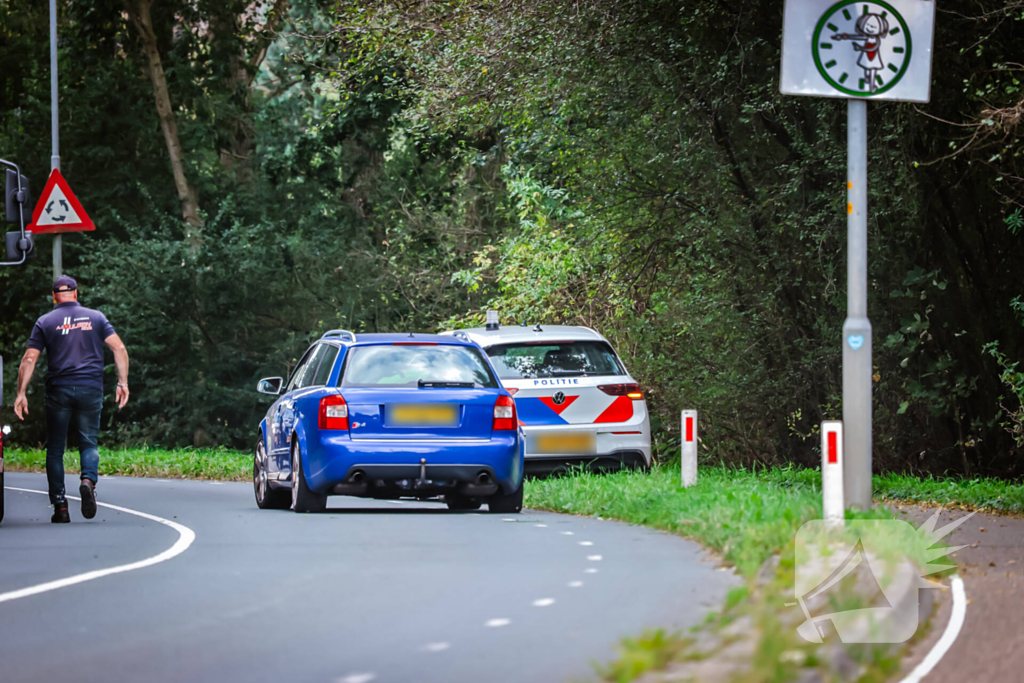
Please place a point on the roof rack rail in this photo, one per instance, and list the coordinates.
(344, 335)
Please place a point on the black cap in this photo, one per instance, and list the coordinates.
(65, 283)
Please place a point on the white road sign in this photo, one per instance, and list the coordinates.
(855, 49)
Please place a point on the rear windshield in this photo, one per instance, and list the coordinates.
(554, 359)
(404, 366)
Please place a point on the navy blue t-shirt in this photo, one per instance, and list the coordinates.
(72, 336)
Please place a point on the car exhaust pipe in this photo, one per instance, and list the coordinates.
(483, 479)
(357, 477)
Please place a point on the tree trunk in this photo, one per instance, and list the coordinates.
(139, 11)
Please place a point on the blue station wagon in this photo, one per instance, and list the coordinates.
(390, 416)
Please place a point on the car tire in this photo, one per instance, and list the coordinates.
(266, 497)
(457, 502)
(507, 503)
(303, 499)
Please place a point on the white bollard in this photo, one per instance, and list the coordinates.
(689, 455)
(832, 508)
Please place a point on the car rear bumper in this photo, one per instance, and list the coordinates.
(542, 465)
(420, 467)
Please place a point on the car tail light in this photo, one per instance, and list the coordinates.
(630, 390)
(333, 412)
(512, 391)
(504, 414)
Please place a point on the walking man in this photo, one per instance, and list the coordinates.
(73, 337)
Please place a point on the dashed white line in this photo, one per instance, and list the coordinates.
(541, 526)
(592, 570)
(185, 538)
(567, 533)
(543, 602)
(575, 584)
(594, 558)
(358, 678)
(586, 543)
(508, 519)
(436, 647)
(496, 623)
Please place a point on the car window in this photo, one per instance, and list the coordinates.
(405, 365)
(297, 372)
(554, 359)
(324, 371)
(304, 378)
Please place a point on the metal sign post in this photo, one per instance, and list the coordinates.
(58, 257)
(859, 50)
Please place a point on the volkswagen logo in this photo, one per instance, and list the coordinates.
(558, 398)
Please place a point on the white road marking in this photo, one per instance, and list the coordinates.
(495, 623)
(586, 543)
(402, 502)
(436, 647)
(185, 538)
(590, 571)
(567, 533)
(358, 678)
(215, 483)
(575, 584)
(544, 602)
(594, 558)
(956, 621)
(509, 519)
(541, 526)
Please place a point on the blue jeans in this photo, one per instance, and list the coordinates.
(77, 406)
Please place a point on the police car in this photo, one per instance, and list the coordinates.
(576, 402)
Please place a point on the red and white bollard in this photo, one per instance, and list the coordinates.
(689, 432)
(832, 508)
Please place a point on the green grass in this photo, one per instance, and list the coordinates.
(191, 463)
(746, 516)
(977, 494)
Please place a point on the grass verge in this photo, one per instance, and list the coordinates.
(190, 463)
(743, 515)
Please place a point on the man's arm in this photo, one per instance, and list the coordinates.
(121, 361)
(28, 366)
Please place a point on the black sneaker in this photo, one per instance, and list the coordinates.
(60, 513)
(88, 491)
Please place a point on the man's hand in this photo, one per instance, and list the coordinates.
(21, 406)
(122, 396)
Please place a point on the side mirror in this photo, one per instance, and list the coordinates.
(270, 385)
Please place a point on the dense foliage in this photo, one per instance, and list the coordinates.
(624, 164)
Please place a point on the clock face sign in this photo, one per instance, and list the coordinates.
(870, 49)
(862, 48)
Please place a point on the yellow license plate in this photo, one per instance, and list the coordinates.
(575, 444)
(423, 415)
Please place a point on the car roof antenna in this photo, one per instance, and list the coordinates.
(537, 328)
(522, 324)
(410, 334)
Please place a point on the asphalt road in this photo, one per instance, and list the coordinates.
(369, 591)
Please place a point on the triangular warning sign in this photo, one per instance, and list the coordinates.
(58, 209)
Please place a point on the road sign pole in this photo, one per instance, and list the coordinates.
(58, 265)
(857, 369)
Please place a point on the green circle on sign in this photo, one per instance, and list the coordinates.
(842, 8)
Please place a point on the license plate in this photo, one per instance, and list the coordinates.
(580, 443)
(422, 415)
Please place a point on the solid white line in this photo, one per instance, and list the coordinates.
(956, 621)
(185, 538)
